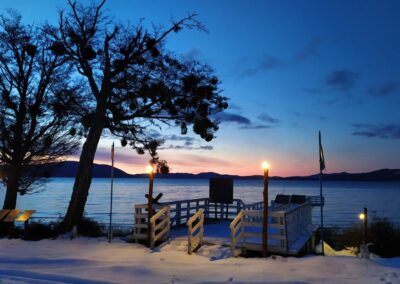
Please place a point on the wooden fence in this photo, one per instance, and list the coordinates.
(285, 228)
(160, 223)
(195, 231)
(182, 210)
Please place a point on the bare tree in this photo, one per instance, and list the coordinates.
(35, 101)
(135, 83)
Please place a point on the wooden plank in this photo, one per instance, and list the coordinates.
(11, 216)
(253, 235)
(25, 216)
(252, 213)
(4, 213)
(161, 234)
(161, 224)
(252, 224)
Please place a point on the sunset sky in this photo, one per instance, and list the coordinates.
(290, 68)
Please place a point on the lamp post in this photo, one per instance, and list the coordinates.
(364, 217)
(265, 166)
(150, 171)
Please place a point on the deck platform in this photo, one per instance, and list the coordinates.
(290, 228)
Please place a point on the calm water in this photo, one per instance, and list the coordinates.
(344, 200)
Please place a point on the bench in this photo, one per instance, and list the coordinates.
(11, 216)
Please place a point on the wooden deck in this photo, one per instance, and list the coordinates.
(290, 228)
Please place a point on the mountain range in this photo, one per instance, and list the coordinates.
(69, 169)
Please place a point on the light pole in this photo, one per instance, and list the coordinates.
(265, 166)
(364, 217)
(150, 171)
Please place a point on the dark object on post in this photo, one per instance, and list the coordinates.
(298, 199)
(282, 199)
(221, 190)
(156, 200)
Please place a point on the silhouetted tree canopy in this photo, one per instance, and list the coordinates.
(135, 82)
(36, 99)
(139, 82)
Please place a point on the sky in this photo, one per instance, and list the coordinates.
(290, 69)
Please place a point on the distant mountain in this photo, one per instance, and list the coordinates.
(70, 168)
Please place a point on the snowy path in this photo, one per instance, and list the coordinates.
(96, 261)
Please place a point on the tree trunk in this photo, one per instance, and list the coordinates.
(10, 200)
(84, 175)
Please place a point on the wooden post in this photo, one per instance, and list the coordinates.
(110, 232)
(365, 226)
(187, 211)
(178, 214)
(150, 207)
(265, 215)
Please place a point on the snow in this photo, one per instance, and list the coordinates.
(84, 260)
(328, 251)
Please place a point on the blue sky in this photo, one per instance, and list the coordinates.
(290, 68)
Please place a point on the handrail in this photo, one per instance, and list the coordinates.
(162, 228)
(195, 240)
(159, 214)
(235, 226)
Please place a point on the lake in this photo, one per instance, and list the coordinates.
(344, 200)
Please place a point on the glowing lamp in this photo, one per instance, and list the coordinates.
(265, 165)
(149, 169)
(361, 216)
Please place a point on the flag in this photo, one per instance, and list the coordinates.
(321, 155)
(112, 152)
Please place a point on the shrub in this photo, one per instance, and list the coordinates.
(385, 237)
(382, 234)
(37, 231)
(90, 228)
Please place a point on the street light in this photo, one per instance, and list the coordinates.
(364, 217)
(265, 166)
(364, 247)
(150, 171)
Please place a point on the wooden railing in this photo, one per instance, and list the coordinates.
(237, 231)
(316, 200)
(297, 221)
(160, 222)
(182, 210)
(160, 225)
(195, 231)
(284, 227)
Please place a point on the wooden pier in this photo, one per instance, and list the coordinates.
(290, 225)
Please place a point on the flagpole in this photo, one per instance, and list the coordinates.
(321, 161)
(111, 193)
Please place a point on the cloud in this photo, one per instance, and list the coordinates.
(233, 106)
(342, 79)
(309, 50)
(193, 160)
(187, 147)
(193, 53)
(244, 122)
(267, 118)
(173, 137)
(309, 116)
(256, 127)
(265, 63)
(123, 155)
(383, 90)
(232, 117)
(268, 62)
(384, 131)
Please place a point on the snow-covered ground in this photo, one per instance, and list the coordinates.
(85, 260)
